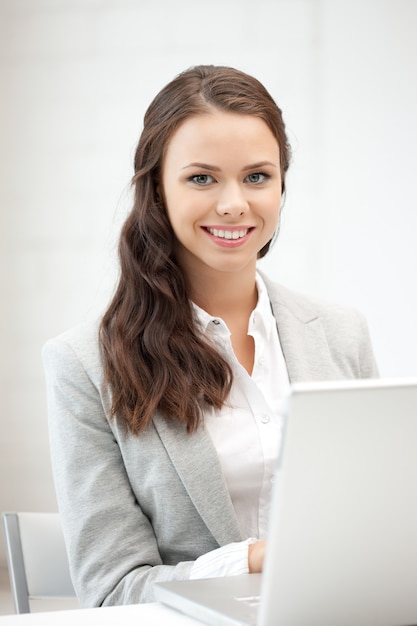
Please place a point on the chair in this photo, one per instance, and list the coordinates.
(37, 560)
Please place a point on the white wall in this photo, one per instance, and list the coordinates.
(75, 79)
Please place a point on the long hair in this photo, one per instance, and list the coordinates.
(155, 358)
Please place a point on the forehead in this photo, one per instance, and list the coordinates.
(217, 131)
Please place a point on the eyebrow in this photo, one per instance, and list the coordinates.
(255, 166)
(204, 166)
(214, 168)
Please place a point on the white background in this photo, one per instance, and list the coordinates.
(76, 77)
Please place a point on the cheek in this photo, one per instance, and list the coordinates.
(179, 218)
(271, 219)
(184, 208)
(172, 204)
(273, 208)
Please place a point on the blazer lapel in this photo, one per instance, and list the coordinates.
(195, 459)
(302, 337)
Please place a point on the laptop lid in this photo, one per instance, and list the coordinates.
(342, 541)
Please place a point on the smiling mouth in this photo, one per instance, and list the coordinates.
(228, 234)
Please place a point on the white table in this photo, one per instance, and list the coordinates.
(153, 614)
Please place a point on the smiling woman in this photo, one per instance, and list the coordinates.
(166, 415)
(221, 184)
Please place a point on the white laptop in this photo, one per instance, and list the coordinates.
(342, 540)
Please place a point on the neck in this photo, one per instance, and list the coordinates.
(225, 294)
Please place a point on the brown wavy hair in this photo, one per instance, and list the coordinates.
(155, 358)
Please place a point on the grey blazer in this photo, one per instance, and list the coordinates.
(140, 509)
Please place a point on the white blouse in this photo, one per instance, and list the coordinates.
(247, 431)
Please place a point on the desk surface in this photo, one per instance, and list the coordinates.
(153, 614)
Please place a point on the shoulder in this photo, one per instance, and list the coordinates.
(308, 308)
(75, 348)
(314, 326)
(81, 338)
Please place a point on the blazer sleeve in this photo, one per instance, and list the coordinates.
(113, 551)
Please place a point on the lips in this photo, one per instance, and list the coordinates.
(224, 233)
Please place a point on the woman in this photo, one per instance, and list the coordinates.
(165, 417)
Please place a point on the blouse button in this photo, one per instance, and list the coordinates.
(217, 322)
(265, 419)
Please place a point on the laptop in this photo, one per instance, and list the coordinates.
(342, 539)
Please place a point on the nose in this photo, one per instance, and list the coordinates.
(232, 201)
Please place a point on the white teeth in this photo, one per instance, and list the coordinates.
(228, 234)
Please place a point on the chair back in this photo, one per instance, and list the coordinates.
(37, 558)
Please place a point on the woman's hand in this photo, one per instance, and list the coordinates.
(256, 554)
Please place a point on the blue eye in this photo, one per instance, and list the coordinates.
(257, 178)
(202, 179)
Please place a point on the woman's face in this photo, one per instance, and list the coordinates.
(221, 182)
